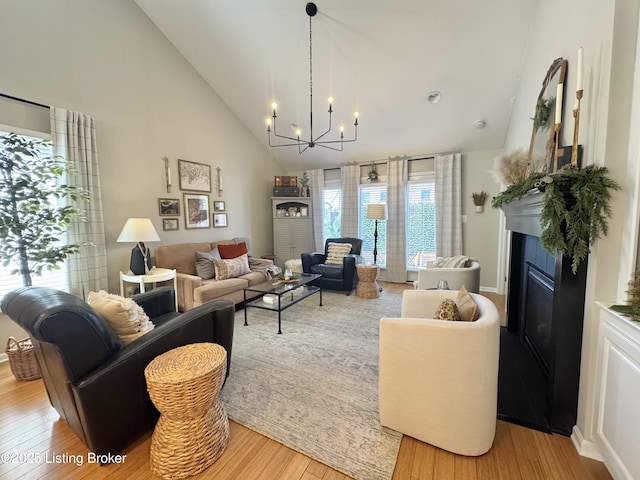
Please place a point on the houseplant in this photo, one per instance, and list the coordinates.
(35, 210)
(575, 208)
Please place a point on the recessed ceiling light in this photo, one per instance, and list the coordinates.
(479, 124)
(434, 96)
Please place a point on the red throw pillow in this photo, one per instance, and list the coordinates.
(233, 250)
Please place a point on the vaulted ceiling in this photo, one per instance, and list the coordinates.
(379, 57)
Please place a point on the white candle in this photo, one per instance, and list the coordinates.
(559, 104)
(169, 176)
(580, 71)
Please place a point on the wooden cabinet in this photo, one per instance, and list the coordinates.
(292, 228)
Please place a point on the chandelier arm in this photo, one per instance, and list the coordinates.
(303, 145)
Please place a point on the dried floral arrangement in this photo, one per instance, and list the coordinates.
(515, 167)
(479, 199)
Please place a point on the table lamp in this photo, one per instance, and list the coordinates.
(139, 230)
(376, 211)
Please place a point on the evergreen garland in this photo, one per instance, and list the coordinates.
(633, 307)
(575, 209)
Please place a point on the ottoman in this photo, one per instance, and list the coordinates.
(193, 430)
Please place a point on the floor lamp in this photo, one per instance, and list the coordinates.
(139, 230)
(376, 211)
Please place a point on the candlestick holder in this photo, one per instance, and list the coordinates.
(556, 150)
(219, 181)
(576, 129)
(167, 174)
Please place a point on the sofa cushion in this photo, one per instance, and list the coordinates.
(459, 261)
(336, 252)
(447, 310)
(467, 306)
(232, 251)
(231, 268)
(204, 263)
(125, 316)
(180, 256)
(328, 271)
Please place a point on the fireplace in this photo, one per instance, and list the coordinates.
(545, 309)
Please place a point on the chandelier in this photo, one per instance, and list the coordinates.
(303, 145)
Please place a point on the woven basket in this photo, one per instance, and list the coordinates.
(22, 359)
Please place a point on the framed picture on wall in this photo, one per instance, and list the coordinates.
(169, 207)
(194, 176)
(196, 211)
(219, 219)
(218, 206)
(169, 224)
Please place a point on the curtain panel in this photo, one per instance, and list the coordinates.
(317, 206)
(73, 137)
(397, 178)
(350, 181)
(448, 195)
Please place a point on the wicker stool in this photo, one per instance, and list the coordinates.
(193, 429)
(367, 285)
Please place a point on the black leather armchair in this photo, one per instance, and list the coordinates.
(335, 277)
(94, 382)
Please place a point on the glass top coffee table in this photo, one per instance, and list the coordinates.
(276, 296)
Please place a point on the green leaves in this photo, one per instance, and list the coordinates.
(35, 212)
(575, 212)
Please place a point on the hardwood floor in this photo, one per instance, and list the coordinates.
(29, 426)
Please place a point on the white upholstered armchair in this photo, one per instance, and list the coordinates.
(455, 277)
(438, 379)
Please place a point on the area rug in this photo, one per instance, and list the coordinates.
(314, 388)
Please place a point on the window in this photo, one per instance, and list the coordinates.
(421, 224)
(373, 194)
(332, 207)
(54, 279)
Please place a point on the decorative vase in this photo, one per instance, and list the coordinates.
(479, 208)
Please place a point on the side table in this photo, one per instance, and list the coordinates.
(155, 275)
(193, 429)
(367, 281)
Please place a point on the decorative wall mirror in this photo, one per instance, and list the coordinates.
(542, 137)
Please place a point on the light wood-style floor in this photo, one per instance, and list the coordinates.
(29, 427)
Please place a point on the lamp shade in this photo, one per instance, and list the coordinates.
(138, 230)
(377, 211)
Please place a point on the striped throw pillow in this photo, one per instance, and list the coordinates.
(336, 252)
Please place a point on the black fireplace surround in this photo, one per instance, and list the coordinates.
(545, 308)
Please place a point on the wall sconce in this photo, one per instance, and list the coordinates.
(479, 199)
(219, 181)
(167, 174)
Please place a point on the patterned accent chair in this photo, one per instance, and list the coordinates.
(335, 277)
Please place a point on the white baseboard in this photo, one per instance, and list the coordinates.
(584, 447)
(488, 289)
(3, 358)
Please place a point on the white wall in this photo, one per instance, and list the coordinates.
(607, 30)
(106, 59)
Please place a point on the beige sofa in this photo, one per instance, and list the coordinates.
(193, 290)
(439, 379)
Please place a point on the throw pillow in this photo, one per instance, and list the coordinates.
(231, 268)
(125, 316)
(459, 261)
(336, 252)
(467, 307)
(204, 263)
(447, 310)
(233, 250)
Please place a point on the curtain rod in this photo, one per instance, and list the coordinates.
(29, 102)
(383, 162)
